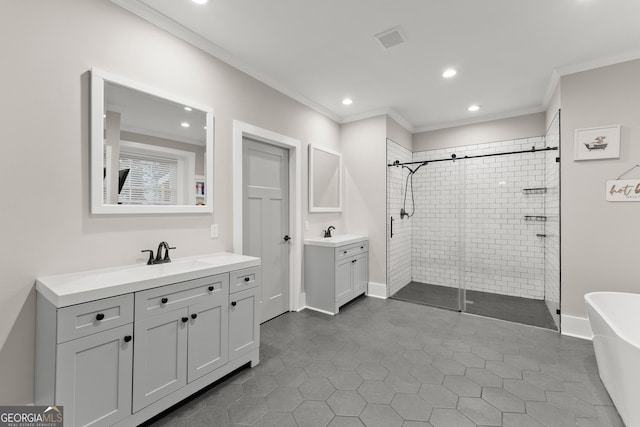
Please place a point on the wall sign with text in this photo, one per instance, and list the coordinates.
(623, 190)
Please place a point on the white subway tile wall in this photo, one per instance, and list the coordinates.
(399, 246)
(469, 225)
(552, 226)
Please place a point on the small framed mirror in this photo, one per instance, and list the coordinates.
(325, 180)
(151, 151)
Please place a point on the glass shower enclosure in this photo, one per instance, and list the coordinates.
(469, 227)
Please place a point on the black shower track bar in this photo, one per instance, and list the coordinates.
(454, 157)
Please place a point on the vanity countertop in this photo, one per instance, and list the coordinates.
(75, 288)
(335, 241)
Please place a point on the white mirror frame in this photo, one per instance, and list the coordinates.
(312, 207)
(98, 78)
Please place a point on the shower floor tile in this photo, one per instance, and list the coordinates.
(513, 309)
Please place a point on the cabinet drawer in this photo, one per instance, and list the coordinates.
(244, 279)
(351, 250)
(89, 318)
(166, 298)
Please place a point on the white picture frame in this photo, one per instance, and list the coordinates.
(597, 143)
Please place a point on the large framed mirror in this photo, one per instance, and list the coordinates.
(151, 151)
(325, 180)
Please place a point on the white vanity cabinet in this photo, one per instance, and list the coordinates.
(335, 272)
(84, 361)
(244, 302)
(122, 359)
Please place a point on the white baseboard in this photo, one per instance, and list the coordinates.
(377, 290)
(577, 327)
(318, 310)
(302, 302)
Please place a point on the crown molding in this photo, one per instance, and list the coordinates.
(480, 119)
(154, 17)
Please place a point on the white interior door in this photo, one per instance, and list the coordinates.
(266, 220)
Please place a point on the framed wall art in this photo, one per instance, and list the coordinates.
(597, 143)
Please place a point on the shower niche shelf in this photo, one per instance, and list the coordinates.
(537, 190)
(539, 218)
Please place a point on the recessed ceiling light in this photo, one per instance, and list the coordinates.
(184, 124)
(347, 101)
(200, 1)
(474, 108)
(448, 73)
(187, 108)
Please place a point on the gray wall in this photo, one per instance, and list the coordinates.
(48, 47)
(365, 151)
(478, 133)
(600, 239)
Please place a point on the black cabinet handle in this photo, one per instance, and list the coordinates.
(194, 315)
(246, 279)
(164, 300)
(211, 288)
(127, 338)
(233, 303)
(185, 319)
(99, 316)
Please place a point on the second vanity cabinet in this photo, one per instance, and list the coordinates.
(122, 359)
(334, 274)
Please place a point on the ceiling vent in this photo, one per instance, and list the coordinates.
(391, 38)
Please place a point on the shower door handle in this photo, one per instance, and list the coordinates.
(391, 228)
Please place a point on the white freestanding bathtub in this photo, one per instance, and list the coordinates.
(615, 322)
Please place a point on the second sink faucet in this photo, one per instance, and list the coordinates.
(327, 232)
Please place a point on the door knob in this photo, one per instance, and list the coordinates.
(194, 315)
(233, 303)
(127, 338)
(286, 238)
(185, 319)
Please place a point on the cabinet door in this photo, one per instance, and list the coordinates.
(208, 337)
(244, 322)
(360, 274)
(160, 359)
(344, 283)
(93, 377)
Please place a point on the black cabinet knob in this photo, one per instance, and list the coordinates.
(211, 288)
(127, 338)
(246, 279)
(194, 315)
(185, 319)
(233, 303)
(345, 252)
(354, 260)
(99, 316)
(361, 247)
(164, 300)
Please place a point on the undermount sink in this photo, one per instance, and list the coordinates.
(75, 288)
(336, 241)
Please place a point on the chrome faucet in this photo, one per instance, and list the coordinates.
(327, 232)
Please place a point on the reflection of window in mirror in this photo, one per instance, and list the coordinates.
(325, 180)
(152, 149)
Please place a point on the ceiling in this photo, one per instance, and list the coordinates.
(509, 54)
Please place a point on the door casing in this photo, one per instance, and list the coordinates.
(243, 130)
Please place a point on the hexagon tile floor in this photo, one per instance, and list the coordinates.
(390, 363)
